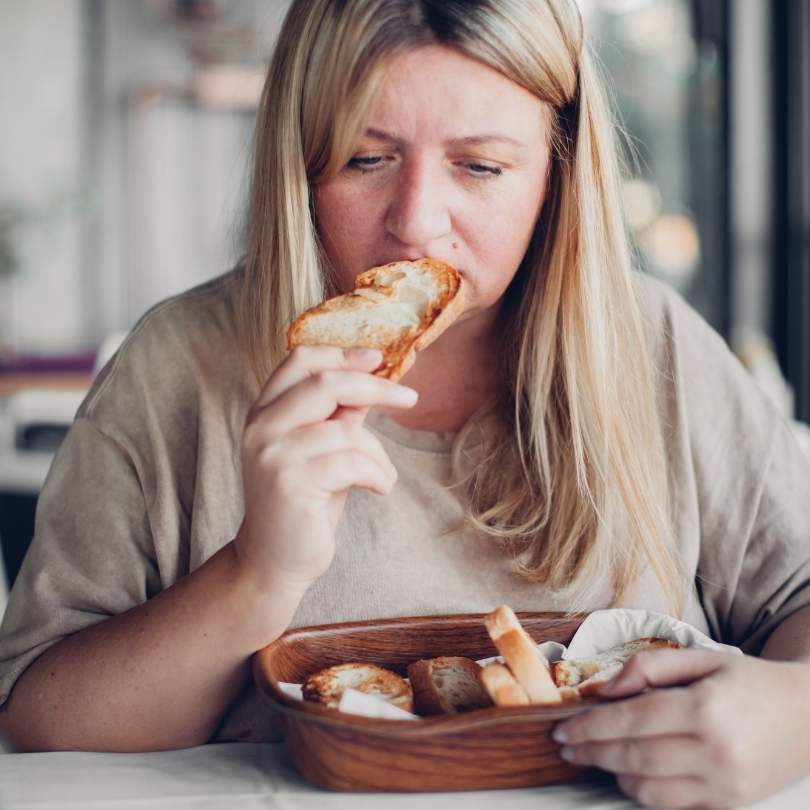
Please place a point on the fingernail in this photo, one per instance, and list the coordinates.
(567, 753)
(406, 395)
(559, 734)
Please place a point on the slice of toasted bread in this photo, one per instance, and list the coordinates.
(528, 664)
(583, 676)
(399, 308)
(446, 685)
(502, 686)
(327, 685)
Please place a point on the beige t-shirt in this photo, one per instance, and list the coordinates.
(147, 486)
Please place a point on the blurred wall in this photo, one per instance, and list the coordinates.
(172, 172)
(130, 186)
(41, 164)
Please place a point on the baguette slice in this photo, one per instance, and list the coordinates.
(528, 664)
(502, 686)
(447, 685)
(399, 308)
(327, 685)
(583, 676)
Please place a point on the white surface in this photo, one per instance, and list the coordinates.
(249, 776)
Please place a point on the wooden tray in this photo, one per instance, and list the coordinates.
(483, 749)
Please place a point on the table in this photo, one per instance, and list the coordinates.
(252, 776)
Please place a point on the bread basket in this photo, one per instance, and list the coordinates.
(489, 748)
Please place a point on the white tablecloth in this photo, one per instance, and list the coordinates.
(247, 776)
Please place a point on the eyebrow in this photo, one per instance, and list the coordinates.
(469, 140)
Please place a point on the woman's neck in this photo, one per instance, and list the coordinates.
(455, 376)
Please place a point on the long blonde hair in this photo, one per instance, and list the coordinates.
(587, 491)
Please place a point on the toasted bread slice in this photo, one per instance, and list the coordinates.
(502, 686)
(328, 685)
(447, 685)
(528, 664)
(583, 676)
(399, 308)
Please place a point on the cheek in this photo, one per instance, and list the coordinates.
(331, 205)
(344, 226)
(499, 239)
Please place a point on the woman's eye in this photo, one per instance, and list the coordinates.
(483, 169)
(365, 162)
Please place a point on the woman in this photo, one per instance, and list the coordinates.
(579, 438)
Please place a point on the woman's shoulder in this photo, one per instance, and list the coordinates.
(701, 382)
(676, 331)
(182, 345)
(659, 302)
(194, 317)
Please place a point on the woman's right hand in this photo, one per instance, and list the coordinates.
(303, 447)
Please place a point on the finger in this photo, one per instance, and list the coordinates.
(351, 416)
(331, 437)
(662, 668)
(317, 399)
(678, 791)
(653, 714)
(658, 756)
(304, 361)
(338, 472)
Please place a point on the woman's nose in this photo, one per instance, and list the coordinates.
(419, 212)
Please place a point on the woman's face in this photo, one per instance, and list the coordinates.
(451, 165)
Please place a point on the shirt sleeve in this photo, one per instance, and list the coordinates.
(92, 554)
(752, 489)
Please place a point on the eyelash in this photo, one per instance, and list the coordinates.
(370, 163)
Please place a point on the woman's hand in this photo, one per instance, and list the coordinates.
(304, 446)
(726, 731)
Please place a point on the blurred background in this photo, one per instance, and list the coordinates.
(124, 159)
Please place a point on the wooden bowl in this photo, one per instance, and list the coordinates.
(482, 749)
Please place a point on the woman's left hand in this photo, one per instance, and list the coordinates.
(725, 730)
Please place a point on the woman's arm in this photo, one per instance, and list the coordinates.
(163, 674)
(159, 676)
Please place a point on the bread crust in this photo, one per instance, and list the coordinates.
(327, 685)
(502, 687)
(400, 354)
(528, 665)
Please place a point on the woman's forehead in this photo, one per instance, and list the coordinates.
(438, 93)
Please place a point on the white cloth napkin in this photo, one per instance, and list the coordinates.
(604, 629)
(354, 702)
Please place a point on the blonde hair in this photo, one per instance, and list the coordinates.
(587, 491)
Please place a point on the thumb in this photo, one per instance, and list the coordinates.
(660, 668)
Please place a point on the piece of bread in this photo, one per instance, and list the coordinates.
(528, 664)
(446, 685)
(502, 686)
(583, 676)
(327, 685)
(399, 308)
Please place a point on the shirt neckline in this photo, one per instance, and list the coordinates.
(425, 440)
